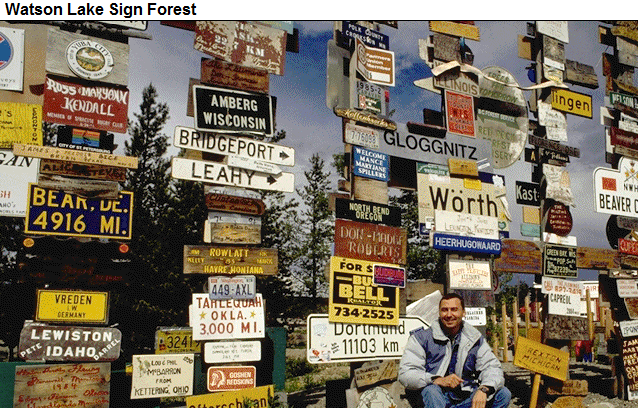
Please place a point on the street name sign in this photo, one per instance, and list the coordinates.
(54, 212)
(87, 307)
(219, 352)
(217, 173)
(223, 144)
(330, 342)
(204, 259)
(226, 319)
(227, 110)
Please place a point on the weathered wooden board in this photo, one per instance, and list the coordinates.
(105, 61)
(237, 204)
(366, 241)
(204, 259)
(627, 29)
(96, 189)
(372, 372)
(364, 117)
(225, 74)
(518, 256)
(573, 387)
(456, 29)
(553, 53)
(580, 74)
(553, 145)
(68, 385)
(231, 233)
(564, 327)
(370, 190)
(557, 29)
(526, 47)
(91, 158)
(541, 358)
(627, 52)
(446, 48)
(462, 167)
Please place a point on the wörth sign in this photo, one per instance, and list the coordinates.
(559, 261)
(226, 110)
(242, 43)
(367, 212)
(229, 260)
(366, 241)
(73, 344)
(237, 204)
(224, 74)
(223, 144)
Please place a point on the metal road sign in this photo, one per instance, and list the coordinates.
(217, 173)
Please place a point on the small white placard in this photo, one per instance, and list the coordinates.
(159, 376)
(232, 351)
(627, 288)
(476, 316)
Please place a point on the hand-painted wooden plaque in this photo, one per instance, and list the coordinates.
(373, 242)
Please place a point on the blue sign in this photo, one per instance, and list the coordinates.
(54, 212)
(369, 37)
(370, 164)
(451, 242)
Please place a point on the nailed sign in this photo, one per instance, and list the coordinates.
(615, 190)
(630, 361)
(366, 241)
(90, 307)
(564, 296)
(226, 319)
(376, 65)
(68, 385)
(217, 173)
(91, 158)
(370, 164)
(506, 132)
(465, 224)
(95, 106)
(223, 74)
(170, 340)
(528, 193)
(369, 37)
(242, 43)
(627, 288)
(368, 212)
(62, 343)
(559, 261)
(54, 212)
(231, 233)
(459, 109)
(572, 102)
(226, 110)
(237, 287)
(360, 135)
(229, 260)
(230, 378)
(258, 397)
(11, 59)
(236, 204)
(451, 242)
(542, 359)
(59, 167)
(369, 97)
(557, 29)
(470, 275)
(158, 376)
(351, 342)
(189, 138)
(20, 123)
(14, 189)
(354, 298)
(218, 352)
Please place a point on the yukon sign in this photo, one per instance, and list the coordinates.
(226, 110)
(54, 212)
(90, 106)
(616, 191)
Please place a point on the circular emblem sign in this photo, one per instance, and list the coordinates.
(558, 219)
(6, 51)
(89, 59)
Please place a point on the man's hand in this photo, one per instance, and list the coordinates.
(479, 400)
(451, 381)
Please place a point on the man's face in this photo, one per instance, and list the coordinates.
(451, 314)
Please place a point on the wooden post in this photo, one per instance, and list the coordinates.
(533, 400)
(515, 318)
(527, 321)
(590, 315)
(494, 336)
(504, 321)
(609, 324)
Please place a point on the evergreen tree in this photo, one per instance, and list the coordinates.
(317, 229)
(423, 262)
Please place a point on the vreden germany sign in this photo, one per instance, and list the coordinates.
(220, 174)
(226, 110)
(54, 212)
(90, 307)
(330, 342)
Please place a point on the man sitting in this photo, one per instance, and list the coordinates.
(453, 363)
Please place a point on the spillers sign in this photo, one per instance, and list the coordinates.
(366, 241)
(64, 343)
(225, 110)
(90, 106)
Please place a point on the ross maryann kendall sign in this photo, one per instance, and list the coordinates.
(226, 110)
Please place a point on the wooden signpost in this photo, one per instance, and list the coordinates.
(204, 259)
(95, 189)
(70, 155)
(456, 29)
(101, 172)
(224, 74)
(367, 241)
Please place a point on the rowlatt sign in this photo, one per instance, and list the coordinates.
(204, 259)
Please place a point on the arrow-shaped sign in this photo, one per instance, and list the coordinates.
(235, 161)
(224, 144)
(220, 174)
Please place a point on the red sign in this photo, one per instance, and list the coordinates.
(459, 109)
(558, 219)
(371, 242)
(77, 103)
(628, 246)
(229, 378)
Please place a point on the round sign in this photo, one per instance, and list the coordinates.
(378, 397)
(501, 116)
(614, 232)
(6, 51)
(89, 59)
(558, 219)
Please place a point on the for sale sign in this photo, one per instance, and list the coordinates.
(226, 319)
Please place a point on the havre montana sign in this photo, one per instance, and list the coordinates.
(229, 260)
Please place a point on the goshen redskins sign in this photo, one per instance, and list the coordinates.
(76, 103)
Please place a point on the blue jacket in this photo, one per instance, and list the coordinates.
(428, 353)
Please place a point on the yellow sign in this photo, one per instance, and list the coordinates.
(542, 359)
(456, 29)
(170, 340)
(258, 397)
(20, 123)
(354, 298)
(72, 306)
(572, 102)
